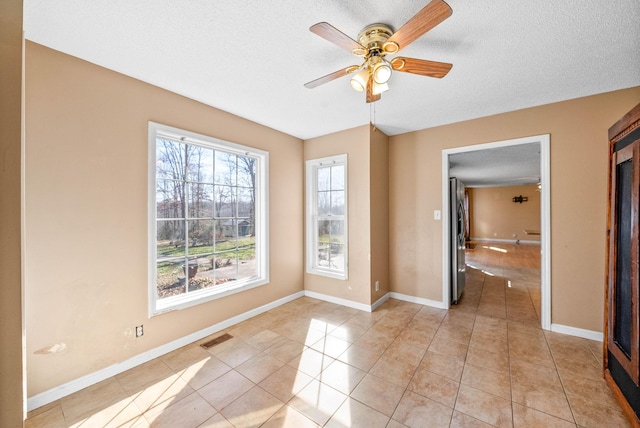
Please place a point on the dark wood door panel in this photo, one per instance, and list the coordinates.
(622, 291)
(623, 273)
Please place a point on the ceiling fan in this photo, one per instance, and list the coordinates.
(375, 42)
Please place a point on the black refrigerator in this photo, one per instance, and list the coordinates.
(457, 238)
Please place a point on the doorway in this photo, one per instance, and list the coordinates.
(543, 142)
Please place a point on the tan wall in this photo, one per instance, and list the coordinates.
(11, 137)
(496, 216)
(415, 239)
(355, 143)
(579, 158)
(86, 215)
(379, 188)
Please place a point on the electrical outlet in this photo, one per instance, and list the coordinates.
(139, 331)
(377, 285)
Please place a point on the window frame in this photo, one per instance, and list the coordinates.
(311, 190)
(159, 306)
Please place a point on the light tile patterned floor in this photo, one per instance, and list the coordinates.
(309, 363)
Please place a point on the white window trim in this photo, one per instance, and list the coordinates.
(312, 214)
(159, 306)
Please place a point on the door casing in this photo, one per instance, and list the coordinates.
(545, 219)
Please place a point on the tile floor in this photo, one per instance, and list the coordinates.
(309, 363)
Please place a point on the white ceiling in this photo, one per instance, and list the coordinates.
(251, 58)
(502, 166)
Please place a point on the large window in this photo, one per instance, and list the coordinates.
(208, 234)
(327, 252)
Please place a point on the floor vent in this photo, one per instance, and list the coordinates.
(218, 340)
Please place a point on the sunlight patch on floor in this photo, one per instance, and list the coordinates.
(480, 269)
(501, 250)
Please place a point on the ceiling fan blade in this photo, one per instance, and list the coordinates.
(332, 34)
(371, 97)
(329, 77)
(430, 16)
(422, 67)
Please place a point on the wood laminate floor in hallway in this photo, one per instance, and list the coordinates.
(485, 362)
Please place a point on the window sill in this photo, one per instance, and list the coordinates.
(328, 274)
(186, 301)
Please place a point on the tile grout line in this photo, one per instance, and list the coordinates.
(555, 368)
(564, 390)
(510, 374)
(466, 354)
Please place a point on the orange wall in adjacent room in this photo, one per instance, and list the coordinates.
(494, 215)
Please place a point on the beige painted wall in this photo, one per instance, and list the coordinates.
(11, 134)
(415, 239)
(86, 216)
(355, 143)
(368, 204)
(496, 216)
(379, 188)
(579, 158)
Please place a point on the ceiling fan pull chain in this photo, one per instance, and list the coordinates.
(372, 116)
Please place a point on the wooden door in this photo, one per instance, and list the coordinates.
(622, 328)
(623, 253)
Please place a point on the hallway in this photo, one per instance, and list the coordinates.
(308, 363)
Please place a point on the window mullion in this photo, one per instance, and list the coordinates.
(214, 244)
(181, 237)
(185, 208)
(326, 238)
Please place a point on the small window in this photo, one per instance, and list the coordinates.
(326, 189)
(208, 218)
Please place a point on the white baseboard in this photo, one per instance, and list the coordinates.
(339, 301)
(75, 385)
(418, 300)
(348, 303)
(379, 302)
(579, 332)
(506, 241)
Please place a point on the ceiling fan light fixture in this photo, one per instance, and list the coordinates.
(359, 81)
(379, 88)
(381, 72)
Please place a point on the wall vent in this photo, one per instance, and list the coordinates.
(218, 340)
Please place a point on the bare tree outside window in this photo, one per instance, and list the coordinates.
(326, 221)
(205, 217)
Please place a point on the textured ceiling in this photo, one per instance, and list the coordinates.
(251, 57)
(504, 166)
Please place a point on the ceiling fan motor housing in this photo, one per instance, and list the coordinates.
(373, 38)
